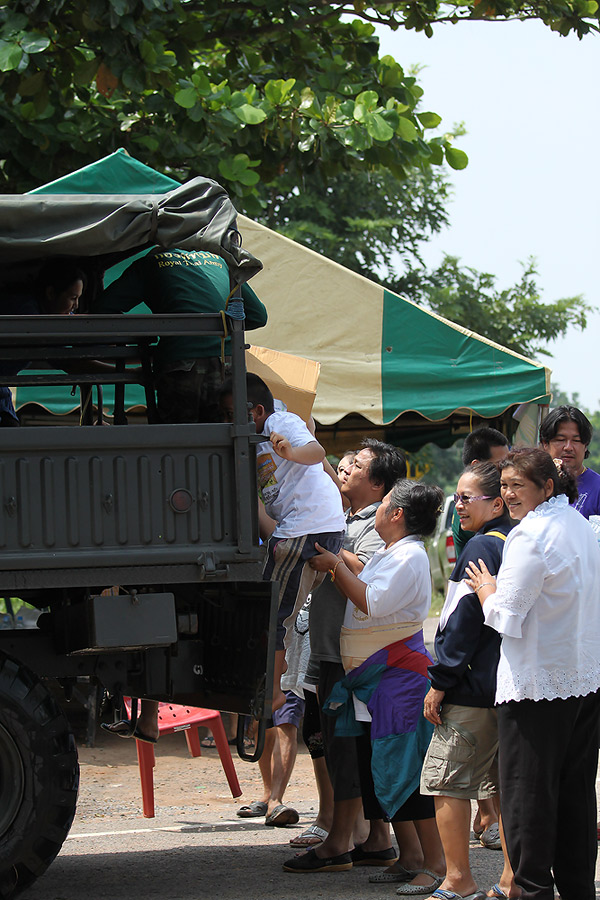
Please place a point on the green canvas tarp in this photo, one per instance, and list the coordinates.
(114, 210)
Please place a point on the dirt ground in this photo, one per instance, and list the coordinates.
(110, 781)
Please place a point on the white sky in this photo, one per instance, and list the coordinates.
(529, 101)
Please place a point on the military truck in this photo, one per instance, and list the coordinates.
(138, 543)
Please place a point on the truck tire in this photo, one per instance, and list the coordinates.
(39, 777)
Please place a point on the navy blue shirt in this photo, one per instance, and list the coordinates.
(467, 650)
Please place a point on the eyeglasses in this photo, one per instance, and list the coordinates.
(466, 500)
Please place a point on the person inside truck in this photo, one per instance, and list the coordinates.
(56, 291)
(189, 371)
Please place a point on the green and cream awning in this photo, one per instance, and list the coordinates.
(381, 355)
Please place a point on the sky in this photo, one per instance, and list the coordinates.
(529, 101)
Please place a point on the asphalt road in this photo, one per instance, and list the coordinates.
(196, 846)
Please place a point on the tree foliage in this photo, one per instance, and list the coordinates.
(252, 92)
(249, 93)
(515, 317)
(367, 221)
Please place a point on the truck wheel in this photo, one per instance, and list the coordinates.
(39, 777)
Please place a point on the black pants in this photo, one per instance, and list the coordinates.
(548, 759)
(418, 806)
(340, 752)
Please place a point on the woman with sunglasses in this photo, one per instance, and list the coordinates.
(461, 760)
(546, 606)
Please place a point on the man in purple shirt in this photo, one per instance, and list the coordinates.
(565, 434)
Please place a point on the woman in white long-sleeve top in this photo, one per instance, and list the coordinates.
(546, 606)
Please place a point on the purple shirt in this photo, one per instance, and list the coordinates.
(588, 502)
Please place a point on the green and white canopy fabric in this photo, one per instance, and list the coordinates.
(382, 357)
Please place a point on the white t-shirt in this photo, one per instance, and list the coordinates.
(301, 499)
(547, 607)
(398, 586)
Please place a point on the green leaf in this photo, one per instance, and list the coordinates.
(201, 83)
(306, 143)
(128, 121)
(28, 111)
(456, 159)
(429, 119)
(85, 72)
(369, 100)
(406, 129)
(121, 7)
(34, 43)
(250, 115)
(10, 56)
(236, 168)
(356, 138)
(249, 177)
(146, 141)
(31, 85)
(148, 52)
(360, 112)
(278, 91)
(187, 97)
(307, 102)
(378, 128)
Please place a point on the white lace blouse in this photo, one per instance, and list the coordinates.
(547, 607)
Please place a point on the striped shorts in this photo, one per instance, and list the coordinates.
(287, 562)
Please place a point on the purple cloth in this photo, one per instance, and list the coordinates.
(291, 712)
(588, 502)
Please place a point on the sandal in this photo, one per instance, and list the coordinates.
(490, 838)
(312, 836)
(253, 810)
(399, 875)
(497, 893)
(419, 890)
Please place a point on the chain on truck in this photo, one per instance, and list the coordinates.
(167, 514)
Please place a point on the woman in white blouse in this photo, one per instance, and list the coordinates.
(546, 606)
(387, 604)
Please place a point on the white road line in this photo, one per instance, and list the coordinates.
(202, 826)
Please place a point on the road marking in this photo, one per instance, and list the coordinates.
(182, 829)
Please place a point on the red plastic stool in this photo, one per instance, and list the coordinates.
(173, 718)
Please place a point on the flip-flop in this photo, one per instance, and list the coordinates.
(315, 835)
(451, 895)
(497, 893)
(122, 729)
(281, 816)
(253, 810)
